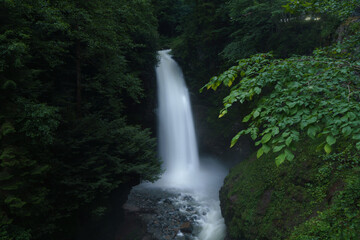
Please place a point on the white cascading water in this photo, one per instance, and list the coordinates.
(179, 152)
(178, 147)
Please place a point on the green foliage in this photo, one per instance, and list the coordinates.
(170, 14)
(203, 34)
(342, 9)
(315, 197)
(6, 128)
(262, 26)
(39, 121)
(14, 233)
(342, 219)
(71, 73)
(318, 95)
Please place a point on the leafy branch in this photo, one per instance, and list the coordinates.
(316, 97)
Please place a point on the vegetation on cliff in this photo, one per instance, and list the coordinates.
(314, 197)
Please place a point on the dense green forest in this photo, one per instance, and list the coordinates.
(71, 75)
(77, 94)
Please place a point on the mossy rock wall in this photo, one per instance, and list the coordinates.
(313, 197)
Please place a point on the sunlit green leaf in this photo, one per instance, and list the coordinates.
(278, 148)
(247, 118)
(235, 139)
(266, 148)
(280, 159)
(327, 148)
(256, 114)
(266, 138)
(289, 155)
(288, 141)
(260, 152)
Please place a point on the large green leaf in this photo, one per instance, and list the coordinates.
(289, 155)
(247, 118)
(266, 138)
(280, 159)
(346, 131)
(327, 148)
(288, 141)
(278, 148)
(235, 139)
(356, 137)
(260, 152)
(312, 130)
(330, 140)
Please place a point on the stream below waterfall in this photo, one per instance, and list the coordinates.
(183, 204)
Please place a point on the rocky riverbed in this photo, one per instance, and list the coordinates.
(157, 214)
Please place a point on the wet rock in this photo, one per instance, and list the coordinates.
(164, 214)
(189, 209)
(188, 198)
(186, 227)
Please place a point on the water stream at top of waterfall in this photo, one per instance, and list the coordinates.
(178, 150)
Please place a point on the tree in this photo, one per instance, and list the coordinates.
(202, 37)
(340, 9)
(70, 72)
(262, 26)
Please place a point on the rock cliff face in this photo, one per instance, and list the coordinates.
(303, 199)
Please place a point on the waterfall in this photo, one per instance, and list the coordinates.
(177, 141)
(179, 152)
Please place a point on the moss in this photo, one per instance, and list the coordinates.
(262, 201)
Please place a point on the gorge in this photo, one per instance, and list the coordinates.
(269, 147)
